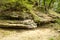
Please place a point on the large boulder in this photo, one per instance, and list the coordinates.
(18, 24)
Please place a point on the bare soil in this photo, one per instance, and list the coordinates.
(27, 34)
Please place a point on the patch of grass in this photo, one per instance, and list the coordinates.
(58, 21)
(51, 39)
(57, 38)
(56, 26)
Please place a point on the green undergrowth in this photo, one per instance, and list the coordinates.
(55, 38)
(10, 7)
(58, 21)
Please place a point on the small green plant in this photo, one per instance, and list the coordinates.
(51, 39)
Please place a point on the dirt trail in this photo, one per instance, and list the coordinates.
(23, 34)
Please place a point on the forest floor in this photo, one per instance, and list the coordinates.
(39, 33)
